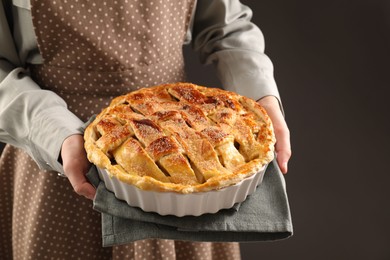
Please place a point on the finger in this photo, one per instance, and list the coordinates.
(80, 184)
(283, 157)
(283, 147)
(76, 164)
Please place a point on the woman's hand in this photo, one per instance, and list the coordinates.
(76, 165)
(282, 133)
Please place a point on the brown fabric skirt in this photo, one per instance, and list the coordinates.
(41, 217)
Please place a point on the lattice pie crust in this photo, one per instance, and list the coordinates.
(181, 137)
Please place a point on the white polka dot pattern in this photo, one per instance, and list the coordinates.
(109, 36)
(109, 48)
(49, 220)
(168, 250)
(93, 51)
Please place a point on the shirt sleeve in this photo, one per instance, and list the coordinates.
(223, 34)
(31, 118)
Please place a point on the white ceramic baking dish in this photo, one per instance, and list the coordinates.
(171, 203)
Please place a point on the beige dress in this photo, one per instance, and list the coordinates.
(92, 51)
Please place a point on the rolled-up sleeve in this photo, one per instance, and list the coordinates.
(223, 34)
(31, 118)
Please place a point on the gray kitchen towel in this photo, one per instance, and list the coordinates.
(263, 216)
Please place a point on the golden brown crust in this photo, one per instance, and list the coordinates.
(181, 137)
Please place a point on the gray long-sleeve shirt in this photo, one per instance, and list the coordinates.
(38, 120)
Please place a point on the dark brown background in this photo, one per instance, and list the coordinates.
(332, 66)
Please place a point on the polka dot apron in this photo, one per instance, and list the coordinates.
(92, 52)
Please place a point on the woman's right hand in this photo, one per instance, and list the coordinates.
(76, 165)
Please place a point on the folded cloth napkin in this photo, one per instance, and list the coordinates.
(263, 216)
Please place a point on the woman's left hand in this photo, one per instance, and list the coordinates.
(282, 133)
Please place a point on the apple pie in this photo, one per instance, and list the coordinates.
(181, 137)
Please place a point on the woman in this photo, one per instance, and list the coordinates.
(61, 62)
